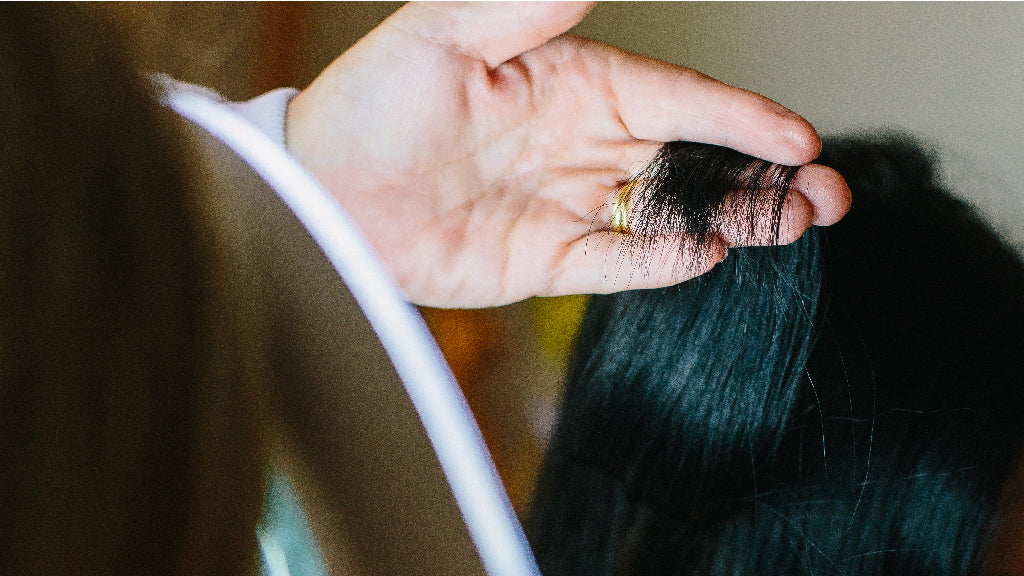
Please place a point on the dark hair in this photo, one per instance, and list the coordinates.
(122, 419)
(847, 404)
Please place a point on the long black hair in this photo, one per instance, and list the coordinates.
(847, 404)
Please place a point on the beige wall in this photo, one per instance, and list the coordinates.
(951, 73)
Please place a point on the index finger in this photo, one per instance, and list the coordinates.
(663, 102)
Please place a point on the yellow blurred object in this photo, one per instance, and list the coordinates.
(556, 322)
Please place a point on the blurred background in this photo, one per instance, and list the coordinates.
(952, 74)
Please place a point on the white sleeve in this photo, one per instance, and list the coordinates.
(250, 130)
(266, 112)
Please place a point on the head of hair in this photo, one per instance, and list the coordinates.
(121, 423)
(847, 404)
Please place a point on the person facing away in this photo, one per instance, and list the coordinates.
(850, 404)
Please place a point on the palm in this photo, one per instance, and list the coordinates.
(478, 184)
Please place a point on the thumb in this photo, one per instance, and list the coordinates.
(491, 31)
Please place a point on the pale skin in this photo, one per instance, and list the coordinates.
(479, 148)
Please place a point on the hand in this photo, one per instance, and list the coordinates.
(479, 149)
